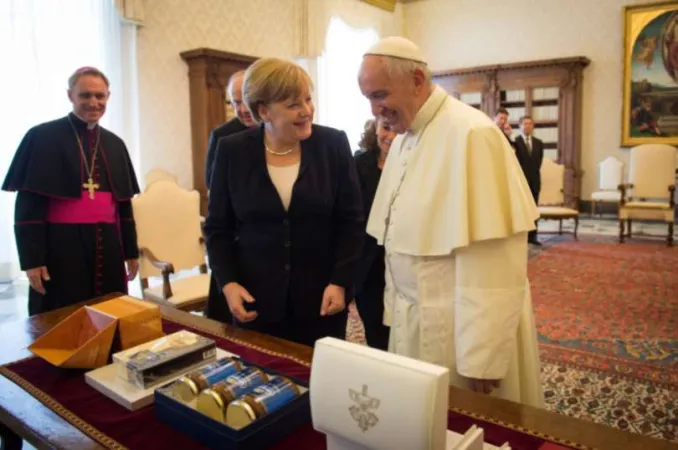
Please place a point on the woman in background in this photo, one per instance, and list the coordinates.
(375, 144)
(285, 225)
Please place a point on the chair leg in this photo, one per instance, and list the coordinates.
(593, 208)
(621, 231)
(630, 224)
(576, 227)
(669, 240)
(560, 226)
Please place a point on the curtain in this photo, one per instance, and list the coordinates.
(340, 103)
(42, 42)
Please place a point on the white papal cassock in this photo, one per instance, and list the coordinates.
(453, 210)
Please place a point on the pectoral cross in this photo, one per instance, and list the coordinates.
(91, 186)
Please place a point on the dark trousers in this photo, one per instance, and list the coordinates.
(370, 303)
(303, 331)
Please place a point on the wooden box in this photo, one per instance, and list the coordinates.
(138, 321)
(82, 340)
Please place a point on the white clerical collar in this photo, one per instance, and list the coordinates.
(428, 109)
(89, 125)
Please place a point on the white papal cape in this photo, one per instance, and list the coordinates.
(453, 210)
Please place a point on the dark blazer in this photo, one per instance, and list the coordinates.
(369, 175)
(231, 127)
(531, 162)
(285, 259)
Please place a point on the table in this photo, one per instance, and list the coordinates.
(37, 424)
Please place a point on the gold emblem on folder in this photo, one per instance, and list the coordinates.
(362, 412)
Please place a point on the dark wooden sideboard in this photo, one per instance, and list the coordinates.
(208, 71)
(548, 90)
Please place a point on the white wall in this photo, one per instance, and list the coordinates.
(466, 33)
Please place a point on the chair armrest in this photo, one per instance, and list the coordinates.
(624, 188)
(166, 268)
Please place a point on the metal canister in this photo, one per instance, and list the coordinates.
(188, 386)
(213, 401)
(261, 401)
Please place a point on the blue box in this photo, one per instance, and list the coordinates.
(262, 433)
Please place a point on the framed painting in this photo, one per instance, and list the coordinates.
(388, 5)
(650, 101)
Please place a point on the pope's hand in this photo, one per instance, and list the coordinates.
(483, 386)
(236, 295)
(333, 300)
(36, 276)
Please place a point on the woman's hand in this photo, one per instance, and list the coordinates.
(235, 296)
(333, 300)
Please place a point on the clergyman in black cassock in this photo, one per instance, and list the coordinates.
(74, 225)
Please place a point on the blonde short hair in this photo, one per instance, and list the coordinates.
(272, 80)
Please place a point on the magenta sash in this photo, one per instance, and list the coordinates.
(100, 209)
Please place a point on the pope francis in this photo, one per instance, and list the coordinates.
(452, 210)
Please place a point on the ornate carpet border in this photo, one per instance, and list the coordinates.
(548, 352)
(58, 408)
(615, 373)
(111, 443)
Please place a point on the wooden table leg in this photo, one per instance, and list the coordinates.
(9, 439)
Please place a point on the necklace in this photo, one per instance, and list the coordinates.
(282, 153)
(91, 186)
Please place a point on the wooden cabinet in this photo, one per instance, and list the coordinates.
(208, 71)
(550, 91)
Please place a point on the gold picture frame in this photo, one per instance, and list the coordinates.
(388, 5)
(650, 90)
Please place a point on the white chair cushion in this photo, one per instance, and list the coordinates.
(559, 211)
(606, 196)
(184, 290)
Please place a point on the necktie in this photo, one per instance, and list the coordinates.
(529, 144)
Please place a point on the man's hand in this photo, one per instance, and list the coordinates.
(36, 276)
(132, 268)
(483, 386)
(235, 296)
(333, 300)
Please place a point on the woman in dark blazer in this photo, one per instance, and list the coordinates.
(375, 144)
(285, 223)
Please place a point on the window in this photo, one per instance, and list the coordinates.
(340, 103)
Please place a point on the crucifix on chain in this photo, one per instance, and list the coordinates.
(91, 186)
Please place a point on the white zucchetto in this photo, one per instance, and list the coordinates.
(397, 47)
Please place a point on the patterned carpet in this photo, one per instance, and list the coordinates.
(606, 317)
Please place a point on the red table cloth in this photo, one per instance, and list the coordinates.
(67, 393)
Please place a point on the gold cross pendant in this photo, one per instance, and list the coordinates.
(91, 186)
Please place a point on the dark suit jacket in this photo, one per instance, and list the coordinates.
(231, 127)
(531, 162)
(369, 175)
(285, 259)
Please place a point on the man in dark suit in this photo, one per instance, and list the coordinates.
(242, 121)
(530, 154)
